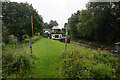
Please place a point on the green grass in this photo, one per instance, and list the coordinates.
(80, 44)
(106, 45)
(48, 53)
(34, 38)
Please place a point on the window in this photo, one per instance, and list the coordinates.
(56, 36)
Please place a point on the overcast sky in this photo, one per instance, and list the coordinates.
(59, 10)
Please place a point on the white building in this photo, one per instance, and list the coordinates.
(47, 31)
(56, 33)
(5, 0)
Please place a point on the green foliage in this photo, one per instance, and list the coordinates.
(101, 70)
(73, 28)
(99, 22)
(11, 36)
(46, 35)
(118, 69)
(17, 19)
(16, 65)
(24, 37)
(85, 63)
(50, 24)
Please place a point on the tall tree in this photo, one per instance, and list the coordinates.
(72, 21)
(50, 24)
(17, 18)
(99, 22)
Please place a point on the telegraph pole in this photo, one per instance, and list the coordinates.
(32, 26)
(66, 37)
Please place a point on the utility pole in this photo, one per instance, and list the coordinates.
(32, 26)
(66, 37)
(30, 42)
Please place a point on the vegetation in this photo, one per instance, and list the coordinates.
(45, 64)
(17, 19)
(50, 24)
(78, 62)
(48, 53)
(87, 43)
(99, 22)
(16, 65)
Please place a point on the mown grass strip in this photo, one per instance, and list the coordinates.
(48, 53)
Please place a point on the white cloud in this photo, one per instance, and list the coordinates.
(59, 10)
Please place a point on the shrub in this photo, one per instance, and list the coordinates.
(101, 70)
(11, 36)
(16, 65)
(24, 37)
(88, 64)
(118, 69)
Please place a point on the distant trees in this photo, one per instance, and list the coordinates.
(73, 21)
(50, 24)
(99, 22)
(17, 19)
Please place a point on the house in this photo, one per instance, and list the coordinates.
(56, 33)
(5, 0)
(47, 31)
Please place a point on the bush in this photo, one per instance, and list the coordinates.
(118, 69)
(75, 64)
(46, 35)
(16, 65)
(101, 70)
(24, 37)
(11, 36)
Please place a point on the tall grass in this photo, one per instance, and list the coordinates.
(78, 62)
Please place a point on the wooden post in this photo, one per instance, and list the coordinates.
(32, 25)
(30, 42)
(66, 37)
(30, 46)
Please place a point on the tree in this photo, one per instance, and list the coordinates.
(17, 19)
(65, 25)
(50, 24)
(72, 21)
(103, 21)
(99, 22)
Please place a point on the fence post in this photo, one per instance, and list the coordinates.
(66, 37)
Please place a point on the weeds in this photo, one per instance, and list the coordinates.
(86, 63)
(17, 65)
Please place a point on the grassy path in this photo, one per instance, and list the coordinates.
(48, 53)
